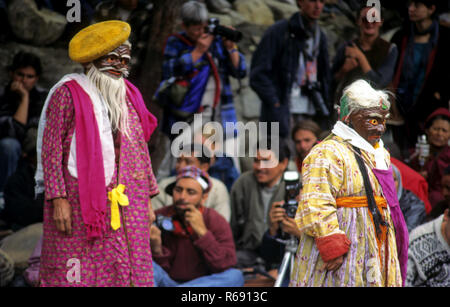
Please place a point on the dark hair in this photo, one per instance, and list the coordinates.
(308, 125)
(433, 119)
(282, 152)
(24, 59)
(428, 4)
(203, 151)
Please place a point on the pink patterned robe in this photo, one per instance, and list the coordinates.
(122, 257)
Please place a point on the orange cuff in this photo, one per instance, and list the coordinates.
(332, 246)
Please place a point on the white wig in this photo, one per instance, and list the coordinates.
(360, 95)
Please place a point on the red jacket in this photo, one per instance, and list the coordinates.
(185, 260)
(413, 181)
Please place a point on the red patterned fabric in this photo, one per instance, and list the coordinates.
(120, 258)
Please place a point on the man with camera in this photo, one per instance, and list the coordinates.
(290, 70)
(194, 246)
(252, 195)
(202, 58)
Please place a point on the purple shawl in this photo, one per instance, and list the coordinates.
(386, 180)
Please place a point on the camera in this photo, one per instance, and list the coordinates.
(164, 223)
(292, 189)
(215, 28)
(312, 90)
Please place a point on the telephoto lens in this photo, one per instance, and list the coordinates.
(215, 28)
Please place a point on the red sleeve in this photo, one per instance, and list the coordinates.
(332, 246)
(217, 245)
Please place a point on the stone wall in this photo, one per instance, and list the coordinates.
(39, 31)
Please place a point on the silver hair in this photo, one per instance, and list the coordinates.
(194, 13)
(113, 92)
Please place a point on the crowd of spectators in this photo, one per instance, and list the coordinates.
(235, 216)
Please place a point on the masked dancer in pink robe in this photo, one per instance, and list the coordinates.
(95, 169)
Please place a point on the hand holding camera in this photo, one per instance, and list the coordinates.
(215, 28)
(194, 218)
(276, 215)
(280, 220)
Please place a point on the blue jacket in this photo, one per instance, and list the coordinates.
(178, 62)
(274, 67)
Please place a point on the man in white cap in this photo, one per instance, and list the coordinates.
(353, 231)
(95, 169)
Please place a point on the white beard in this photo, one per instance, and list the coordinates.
(113, 92)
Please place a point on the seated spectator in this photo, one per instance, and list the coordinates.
(305, 135)
(420, 81)
(20, 107)
(412, 207)
(222, 166)
(429, 251)
(251, 198)
(200, 250)
(443, 204)
(22, 207)
(199, 156)
(437, 129)
(368, 57)
(223, 169)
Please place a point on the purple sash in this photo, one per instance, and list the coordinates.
(386, 180)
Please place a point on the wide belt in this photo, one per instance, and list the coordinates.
(360, 201)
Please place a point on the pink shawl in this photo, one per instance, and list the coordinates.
(91, 180)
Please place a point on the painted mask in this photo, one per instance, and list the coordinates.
(116, 63)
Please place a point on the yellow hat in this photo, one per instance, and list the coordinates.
(98, 40)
